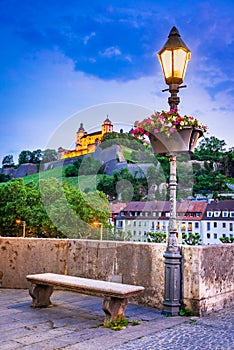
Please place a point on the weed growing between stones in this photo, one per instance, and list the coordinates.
(119, 324)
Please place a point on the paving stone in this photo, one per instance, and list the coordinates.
(75, 323)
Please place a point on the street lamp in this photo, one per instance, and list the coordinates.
(18, 222)
(174, 57)
(97, 223)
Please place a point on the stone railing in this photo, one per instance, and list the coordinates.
(207, 270)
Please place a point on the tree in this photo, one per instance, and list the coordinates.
(210, 148)
(4, 178)
(89, 166)
(36, 156)
(49, 155)
(8, 161)
(156, 237)
(24, 157)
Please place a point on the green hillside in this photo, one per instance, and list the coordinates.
(84, 182)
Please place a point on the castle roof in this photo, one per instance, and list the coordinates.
(107, 120)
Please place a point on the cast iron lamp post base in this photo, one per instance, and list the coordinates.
(172, 283)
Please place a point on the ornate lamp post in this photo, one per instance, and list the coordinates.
(173, 57)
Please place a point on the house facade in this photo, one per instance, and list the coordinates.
(218, 221)
(210, 220)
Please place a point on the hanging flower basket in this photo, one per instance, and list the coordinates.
(168, 132)
(183, 140)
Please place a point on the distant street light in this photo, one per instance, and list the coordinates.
(97, 223)
(18, 222)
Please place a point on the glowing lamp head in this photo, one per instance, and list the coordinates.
(174, 57)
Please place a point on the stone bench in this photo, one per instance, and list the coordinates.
(115, 294)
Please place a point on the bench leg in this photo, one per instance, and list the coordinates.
(114, 308)
(40, 295)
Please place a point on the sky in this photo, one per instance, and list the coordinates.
(67, 62)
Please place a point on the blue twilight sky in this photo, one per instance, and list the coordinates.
(61, 57)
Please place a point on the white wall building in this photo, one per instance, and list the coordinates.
(210, 220)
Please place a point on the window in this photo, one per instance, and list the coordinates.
(224, 224)
(139, 223)
(208, 235)
(231, 226)
(215, 224)
(136, 213)
(145, 223)
(223, 235)
(134, 223)
(183, 227)
(208, 226)
(154, 213)
(122, 213)
(119, 224)
(198, 215)
(216, 214)
(209, 214)
(190, 226)
(215, 236)
(139, 233)
(196, 224)
(225, 214)
(231, 235)
(232, 214)
(146, 213)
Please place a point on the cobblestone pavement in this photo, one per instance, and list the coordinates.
(75, 322)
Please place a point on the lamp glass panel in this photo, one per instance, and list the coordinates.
(166, 60)
(180, 63)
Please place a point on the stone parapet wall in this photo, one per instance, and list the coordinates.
(208, 277)
(207, 270)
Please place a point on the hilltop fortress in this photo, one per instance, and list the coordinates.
(86, 143)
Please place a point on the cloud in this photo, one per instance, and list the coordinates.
(88, 37)
(111, 52)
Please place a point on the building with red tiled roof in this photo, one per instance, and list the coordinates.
(140, 218)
